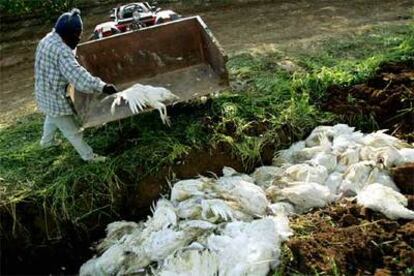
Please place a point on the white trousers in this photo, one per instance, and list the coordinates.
(70, 130)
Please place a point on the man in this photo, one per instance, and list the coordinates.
(56, 67)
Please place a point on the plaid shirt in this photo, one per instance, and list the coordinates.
(56, 67)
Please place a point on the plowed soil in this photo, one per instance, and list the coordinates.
(347, 239)
(387, 98)
(352, 240)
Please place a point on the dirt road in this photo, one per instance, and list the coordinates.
(280, 24)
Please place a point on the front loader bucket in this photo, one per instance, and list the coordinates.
(182, 56)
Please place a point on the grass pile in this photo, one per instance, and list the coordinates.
(265, 98)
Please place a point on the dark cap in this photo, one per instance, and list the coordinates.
(69, 22)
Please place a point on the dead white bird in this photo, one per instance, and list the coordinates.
(130, 96)
(343, 129)
(229, 172)
(287, 156)
(305, 154)
(138, 97)
(190, 208)
(408, 154)
(164, 216)
(356, 177)
(284, 208)
(305, 195)
(325, 159)
(247, 248)
(317, 134)
(367, 153)
(216, 210)
(190, 263)
(115, 231)
(156, 96)
(263, 176)
(333, 182)
(342, 142)
(251, 198)
(381, 176)
(328, 132)
(385, 200)
(190, 225)
(380, 139)
(110, 263)
(119, 259)
(389, 157)
(160, 244)
(185, 189)
(307, 172)
(347, 158)
(281, 223)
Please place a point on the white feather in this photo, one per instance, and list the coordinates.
(139, 97)
(252, 198)
(356, 177)
(381, 176)
(247, 248)
(263, 176)
(190, 208)
(324, 159)
(408, 154)
(389, 157)
(115, 231)
(185, 189)
(284, 208)
(318, 134)
(287, 155)
(380, 139)
(160, 244)
(385, 200)
(190, 263)
(163, 216)
(307, 172)
(347, 158)
(333, 182)
(306, 195)
(216, 210)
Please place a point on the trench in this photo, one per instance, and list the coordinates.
(37, 244)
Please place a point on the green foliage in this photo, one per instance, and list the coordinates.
(44, 8)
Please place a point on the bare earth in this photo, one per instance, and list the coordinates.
(282, 24)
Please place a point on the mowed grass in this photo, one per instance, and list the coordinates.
(264, 93)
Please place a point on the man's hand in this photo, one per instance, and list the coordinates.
(109, 89)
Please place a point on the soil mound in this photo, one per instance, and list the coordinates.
(348, 239)
(388, 98)
(404, 178)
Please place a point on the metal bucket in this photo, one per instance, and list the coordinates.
(182, 56)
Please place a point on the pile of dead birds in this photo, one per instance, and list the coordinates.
(235, 224)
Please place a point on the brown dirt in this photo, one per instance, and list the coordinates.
(388, 97)
(404, 178)
(354, 240)
(351, 240)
